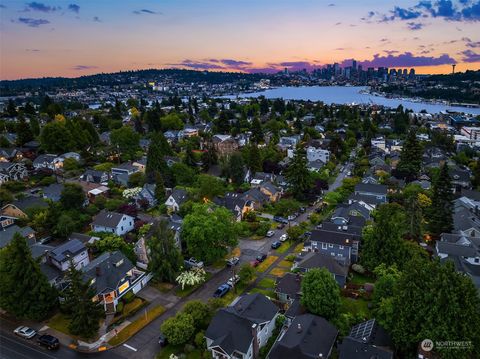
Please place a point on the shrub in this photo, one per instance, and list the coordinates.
(188, 348)
(358, 268)
(120, 307)
(129, 297)
(200, 340)
(290, 257)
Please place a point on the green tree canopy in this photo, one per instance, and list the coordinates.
(411, 156)
(208, 232)
(321, 293)
(72, 197)
(178, 329)
(126, 140)
(56, 138)
(298, 176)
(440, 214)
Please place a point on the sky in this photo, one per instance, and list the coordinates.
(81, 37)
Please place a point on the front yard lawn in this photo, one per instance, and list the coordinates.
(162, 286)
(59, 322)
(137, 325)
(262, 267)
(267, 283)
(285, 263)
(360, 279)
(177, 350)
(284, 247)
(298, 248)
(268, 293)
(278, 271)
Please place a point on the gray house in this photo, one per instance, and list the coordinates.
(310, 260)
(72, 251)
(378, 191)
(288, 288)
(343, 246)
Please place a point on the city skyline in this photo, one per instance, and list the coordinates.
(75, 38)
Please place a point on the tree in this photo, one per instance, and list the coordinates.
(24, 133)
(84, 313)
(432, 300)
(159, 188)
(72, 197)
(184, 175)
(209, 186)
(476, 175)
(200, 312)
(165, 259)
(253, 158)
(246, 273)
(321, 293)
(56, 138)
(110, 243)
(208, 232)
(440, 214)
(64, 226)
(191, 277)
(157, 149)
(126, 140)
(24, 289)
(298, 176)
(235, 170)
(136, 179)
(414, 217)
(178, 329)
(172, 121)
(411, 157)
(257, 133)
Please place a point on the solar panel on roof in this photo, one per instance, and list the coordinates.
(363, 330)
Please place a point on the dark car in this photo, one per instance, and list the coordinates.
(280, 219)
(162, 340)
(221, 291)
(281, 226)
(261, 257)
(48, 341)
(276, 244)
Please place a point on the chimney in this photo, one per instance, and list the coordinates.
(256, 346)
(299, 328)
(98, 271)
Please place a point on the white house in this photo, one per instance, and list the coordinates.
(48, 161)
(314, 154)
(176, 199)
(113, 222)
(72, 251)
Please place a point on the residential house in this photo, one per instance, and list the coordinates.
(12, 171)
(7, 233)
(84, 238)
(235, 203)
(344, 212)
(141, 164)
(259, 177)
(309, 260)
(375, 190)
(121, 173)
(224, 144)
(113, 222)
(317, 154)
(73, 155)
(369, 202)
(112, 275)
(6, 221)
(463, 251)
(176, 199)
(366, 340)
(270, 190)
(53, 192)
(94, 176)
(48, 162)
(70, 252)
(241, 329)
(315, 166)
(289, 142)
(308, 337)
(460, 179)
(146, 197)
(257, 197)
(342, 246)
(288, 288)
(171, 160)
(20, 207)
(10, 154)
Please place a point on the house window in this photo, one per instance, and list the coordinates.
(121, 228)
(341, 247)
(332, 254)
(330, 245)
(324, 245)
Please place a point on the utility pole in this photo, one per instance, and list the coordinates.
(453, 69)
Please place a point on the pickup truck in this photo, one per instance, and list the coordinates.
(192, 262)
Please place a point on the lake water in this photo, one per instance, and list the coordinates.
(349, 95)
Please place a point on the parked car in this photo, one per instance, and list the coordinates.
(281, 226)
(192, 262)
(349, 173)
(303, 209)
(25, 332)
(270, 234)
(48, 341)
(280, 219)
(221, 291)
(232, 261)
(233, 280)
(162, 340)
(276, 244)
(283, 237)
(261, 257)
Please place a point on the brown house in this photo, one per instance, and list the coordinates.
(224, 144)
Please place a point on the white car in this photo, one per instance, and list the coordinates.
(234, 280)
(25, 332)
(270, 233)
(283, 237)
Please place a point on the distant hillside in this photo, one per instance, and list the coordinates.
(12, 87)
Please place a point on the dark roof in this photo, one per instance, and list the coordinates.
(49, 271)
(319, 260)
(231, 327)
(343, 239)
(289, 284)
(39, 249)
(351, 348)
(347, 228)
(6, 235)
(69, 248)
(108, 219)
(371, 188)
(474, 195)
(309, 336)
(53, 191)
(29, 202)
(355, 197)
(84, 238)
(370, 332)
(179, 195)
(112, 269)
(454, 249)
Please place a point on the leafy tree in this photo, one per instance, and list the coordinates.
(236, 168)
(253, 158)
(440, 214)
(320, 293)
(411, 156)
(178, 329)
(208, 232)
(172, 121)
(24, 133)
(24, 289)
(246, 273)
(56, 138)
(295, 232)
(432, 300)
(184, 175)
(414, 216)
(11, 109)
(191, 277)
(136, 179)
(157, 149)
(126, 140)
(159, 188)
(257, 133)
(476, 175)
(209, 186)
(83, 312)
(286, 206)
(298, 176)
(200, 312)
(111, 243)
(165, 259)
(64, 226)
(72, 197)
(5, 196)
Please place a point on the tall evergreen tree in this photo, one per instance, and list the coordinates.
(298, 175)
(440, 216)
(476, 175)
(411, 157)
(236, 168)
(24, 289)
(24, 133)
(257, 133)
(159, 187)
(84, 313)
(165, 259)
(158, 148)
(414, 217)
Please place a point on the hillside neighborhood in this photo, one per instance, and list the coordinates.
(206, 227)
